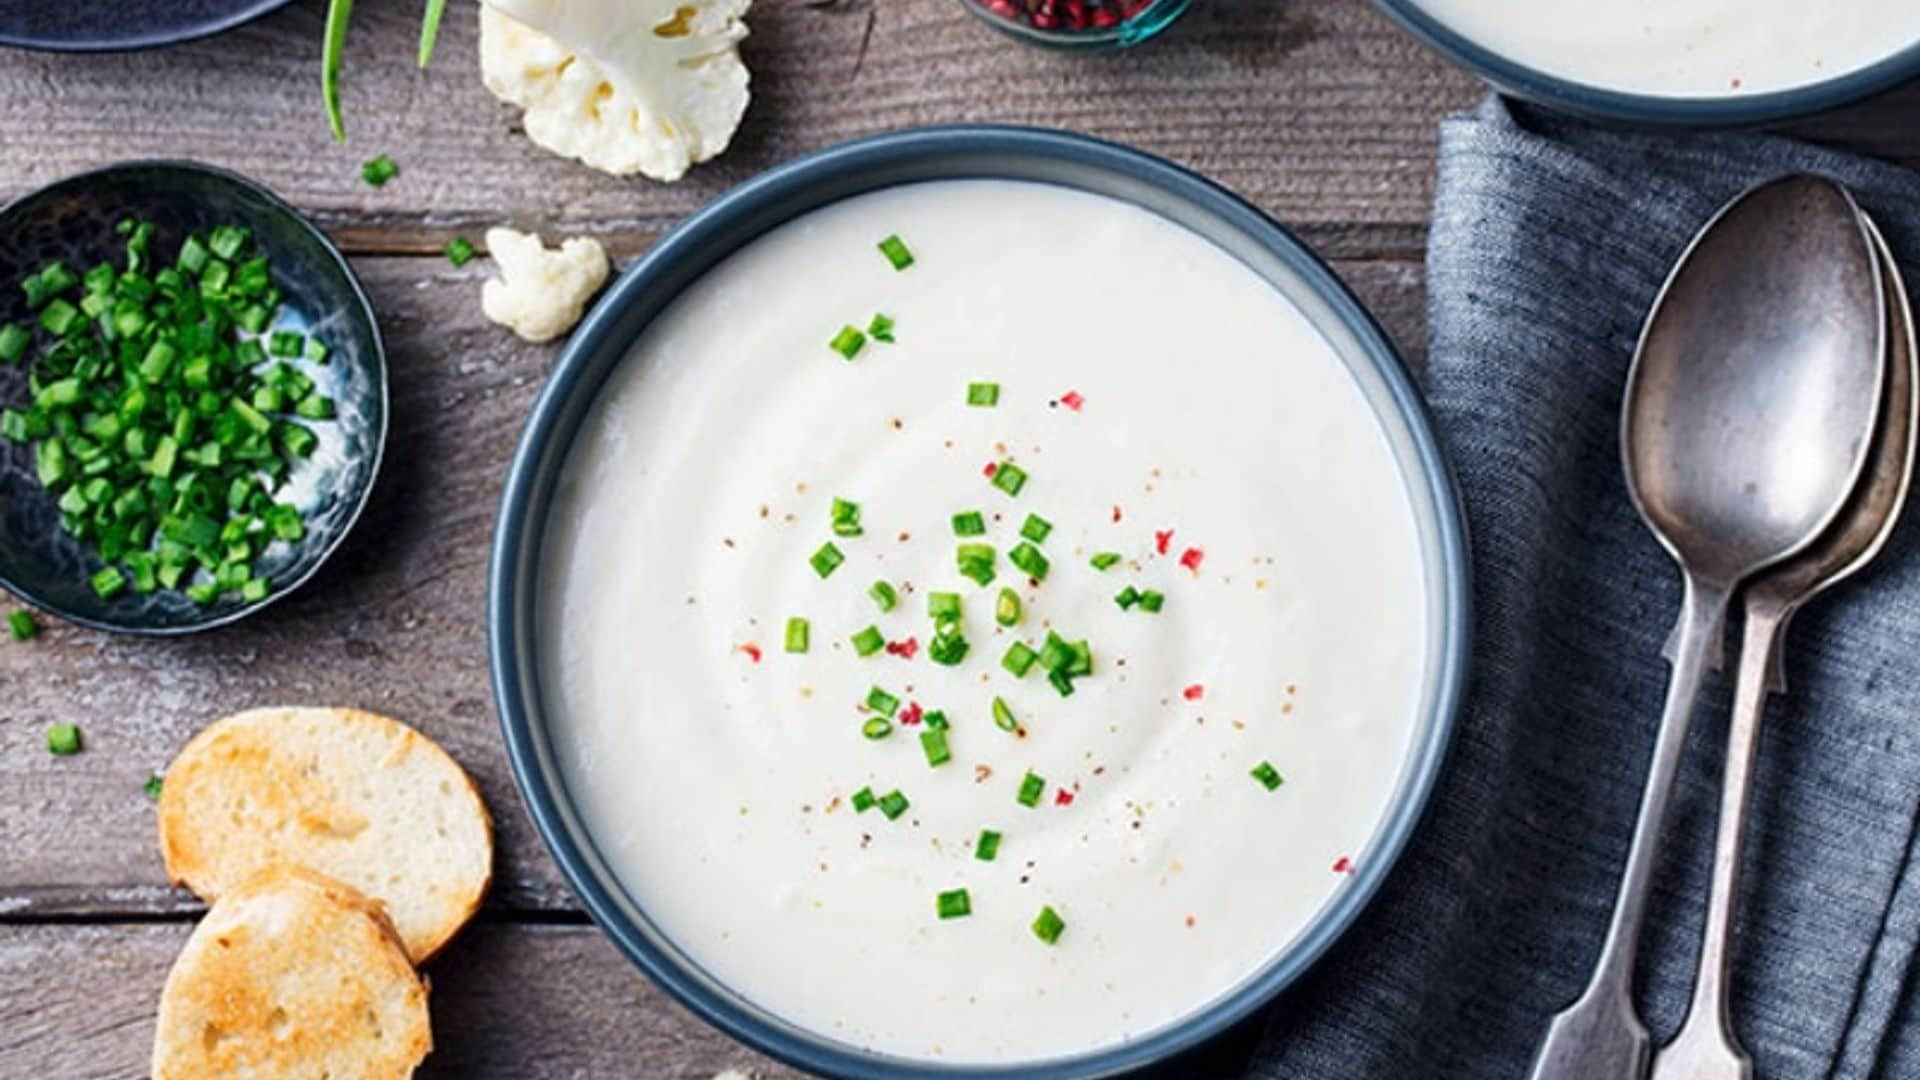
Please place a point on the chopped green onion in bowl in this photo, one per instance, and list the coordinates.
(167, 411)
(188, 235)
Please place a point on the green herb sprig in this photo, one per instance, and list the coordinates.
(334, 46)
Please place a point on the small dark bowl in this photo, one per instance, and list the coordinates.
(73, 220)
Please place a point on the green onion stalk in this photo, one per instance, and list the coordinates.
(334, 45)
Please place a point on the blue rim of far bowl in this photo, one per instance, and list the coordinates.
(1650, 110)
(360, 298)
(708, 237)
(143, 40)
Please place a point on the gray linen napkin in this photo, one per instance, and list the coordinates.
(1550, 239)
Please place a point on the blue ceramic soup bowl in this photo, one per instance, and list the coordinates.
(782, 194)
(1650, 110)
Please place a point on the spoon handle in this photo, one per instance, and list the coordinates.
(1600, 1036)
(1707, 1048)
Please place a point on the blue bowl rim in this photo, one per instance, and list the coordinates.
(508, 627)
(361, 301)
(1650, 110)
(141, 40)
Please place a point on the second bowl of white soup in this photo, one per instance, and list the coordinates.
(1694, 62)
(977, 601)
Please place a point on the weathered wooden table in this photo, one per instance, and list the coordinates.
(1318, 110)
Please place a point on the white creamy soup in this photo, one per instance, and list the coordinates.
(1688, 48)
(1202, 792)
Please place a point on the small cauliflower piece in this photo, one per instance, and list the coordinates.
(626, 86)
(541, 292)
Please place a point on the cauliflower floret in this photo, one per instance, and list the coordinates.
(625, 86)
(541, 293)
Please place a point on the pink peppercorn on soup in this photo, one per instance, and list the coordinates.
(982, 622)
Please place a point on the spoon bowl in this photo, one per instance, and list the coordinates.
(1752, 399)
(1868, 518)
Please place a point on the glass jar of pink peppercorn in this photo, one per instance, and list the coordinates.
(1079, 24)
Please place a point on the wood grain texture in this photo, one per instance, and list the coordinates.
(528, 1002)
(392, 624)
(1318, 110)
(508, 1000)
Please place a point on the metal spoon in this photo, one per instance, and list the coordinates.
(1707, 1047)
(1749, 410)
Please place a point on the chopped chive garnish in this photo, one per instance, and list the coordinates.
(944, 606)
(108, 581)
(895, 249)
(1082, 661)
(864, 801)
(882, 702)
(1009, 478)
(881, 329)
(868, 641)
(893, 804)
(947, 649)
(969, 523)
(380, 170)
(63, 739)
(983, 394)
(845, 517)
(884, 595)
(877, 727)
(1036, 528)
(988, 846)
(975, 562)
(154, 786)
(1151, 600)
(1003, 716)
(59, 317)
(936, 721)
(848, 342)
(1128, 597)
(1061, 681)
(286, 343)
(1006, 610)
(1019, 659)
(1105, 560)
(21, 625)
(827, 559)
(799, 633)
(1029, 559)
(1056, 654)
(14, 340)
(933, 742)
(953, 904)
(459, 251)
(1267, 775)
(1047, 925)
(1031, 788)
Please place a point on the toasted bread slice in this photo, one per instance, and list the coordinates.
(358, 797)
(292, 975)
